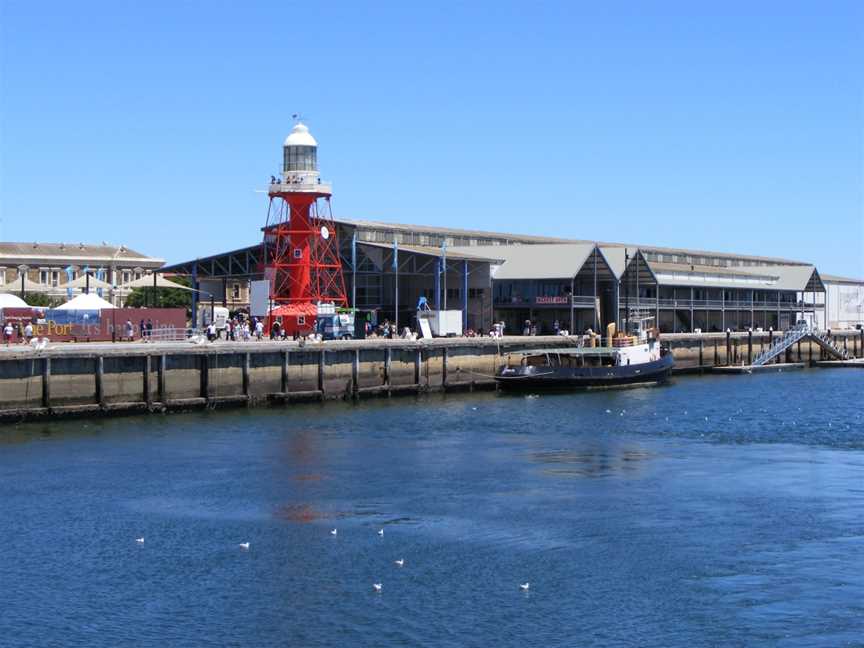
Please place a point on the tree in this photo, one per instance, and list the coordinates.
(42, 300)
(165, 297)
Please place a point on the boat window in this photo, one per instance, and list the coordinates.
(536, 360)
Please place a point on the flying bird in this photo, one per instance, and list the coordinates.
(334, 532)
(400, 562)
(376, 587)
(380, 532)
(244, 545)
(525, 586)
(139, 540)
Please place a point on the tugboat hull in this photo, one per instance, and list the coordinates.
(574, 378)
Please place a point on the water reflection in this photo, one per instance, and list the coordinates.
(592, 462)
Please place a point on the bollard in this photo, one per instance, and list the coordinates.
(418, 361)
(355, 374)
(750, 346)
(444, 368)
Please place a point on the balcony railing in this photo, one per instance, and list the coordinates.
(718, 304)
(561, 301)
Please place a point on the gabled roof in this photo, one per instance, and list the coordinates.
(775, 277)
(541, 261)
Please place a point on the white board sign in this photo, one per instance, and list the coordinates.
(259, 297)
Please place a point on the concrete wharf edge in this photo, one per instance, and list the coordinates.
(103, 379)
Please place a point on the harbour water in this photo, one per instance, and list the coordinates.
(716, 511)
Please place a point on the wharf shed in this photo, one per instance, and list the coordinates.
(496, 276)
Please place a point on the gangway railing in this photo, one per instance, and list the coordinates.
(797, 334)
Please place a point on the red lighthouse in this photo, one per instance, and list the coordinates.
(301, 252)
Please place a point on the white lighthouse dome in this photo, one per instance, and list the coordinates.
(300, 136)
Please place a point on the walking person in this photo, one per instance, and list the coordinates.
(149, 330)
(8, 330)
(28, 332)
(141, 330)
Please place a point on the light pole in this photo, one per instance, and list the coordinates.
(22, 270)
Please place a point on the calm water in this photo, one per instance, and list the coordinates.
(724, 511)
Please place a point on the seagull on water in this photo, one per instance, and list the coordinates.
(525, 586)
(400, 562)
(333, 532)
(139, 540)
(244, 545)
(376, 587)
(381, 532)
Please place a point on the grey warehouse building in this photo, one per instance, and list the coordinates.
(494, 276)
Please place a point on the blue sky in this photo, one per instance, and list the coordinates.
(733, 126)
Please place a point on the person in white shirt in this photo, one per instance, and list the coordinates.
(8, 330)
(259, 330)
(28, 332)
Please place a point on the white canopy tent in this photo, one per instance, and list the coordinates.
(86, 301)
(29, 286)
(8, 300)
(147, 282)
(81, 282)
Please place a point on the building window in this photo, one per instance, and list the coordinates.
(126, 276)
(55, 278)
(453, 293)
(137, 276)
(235, 291)
(43, 277)
(475, 293)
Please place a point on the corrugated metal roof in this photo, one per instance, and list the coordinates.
(454, 253)
(528, 238)
(549, 261)
(838, 279)
(774, 277)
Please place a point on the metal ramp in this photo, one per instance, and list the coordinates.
(793, 336)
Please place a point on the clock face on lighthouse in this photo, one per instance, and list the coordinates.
(325, 233)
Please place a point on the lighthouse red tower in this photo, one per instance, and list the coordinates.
(301, 252)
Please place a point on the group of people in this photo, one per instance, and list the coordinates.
(239, 329)
(24, 332)
(145, 331)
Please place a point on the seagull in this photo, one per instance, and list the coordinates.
(376, 587)
(400, 562)
(380, 532)
(525, 586)
(139, 540)
(608, 411)
(244, 545)
(334, 532)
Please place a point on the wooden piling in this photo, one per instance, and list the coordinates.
(246, 363)
(100, 380)
(160, 378)
(145, 384)
(46, 382)
(283, 380)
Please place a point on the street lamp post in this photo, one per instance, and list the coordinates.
(22, 270)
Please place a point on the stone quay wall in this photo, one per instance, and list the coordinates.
(96, 379)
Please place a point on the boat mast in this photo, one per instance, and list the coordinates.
(626, 295)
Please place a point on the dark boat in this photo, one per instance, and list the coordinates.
(624, 360)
